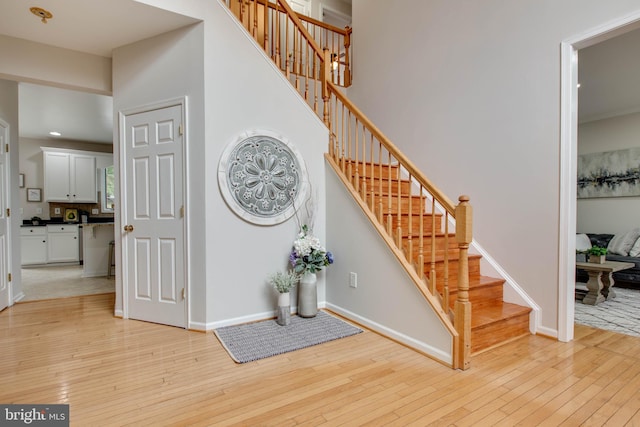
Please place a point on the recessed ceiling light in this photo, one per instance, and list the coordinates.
(54, 133)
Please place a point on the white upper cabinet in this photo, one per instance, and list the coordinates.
(69, 177)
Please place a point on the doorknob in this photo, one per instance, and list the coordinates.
(128, 228)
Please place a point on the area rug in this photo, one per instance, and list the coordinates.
(254, 341)
(620, 314)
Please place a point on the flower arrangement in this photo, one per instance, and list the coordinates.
(283, 282)
(308, 255)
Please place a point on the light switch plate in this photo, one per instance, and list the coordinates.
(94, 211)
(56, 211)
(38, 210)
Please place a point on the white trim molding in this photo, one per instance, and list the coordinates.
(568, 160)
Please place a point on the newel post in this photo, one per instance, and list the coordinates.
(462, 308)
(347, 66)
(325, 76)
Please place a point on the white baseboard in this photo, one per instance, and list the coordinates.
(18, 297)
(395, 335)
(199, 326)
(547, 332)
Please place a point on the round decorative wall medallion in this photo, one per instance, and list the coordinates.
(262, 177)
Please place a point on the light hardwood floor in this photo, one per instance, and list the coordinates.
(124, 372)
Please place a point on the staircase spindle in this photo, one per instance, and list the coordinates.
(421, 241)
(445, 279)
(409, 221)
(356, 150)
(370, 200)
(432, 265)
(255, 20)
(347, 69)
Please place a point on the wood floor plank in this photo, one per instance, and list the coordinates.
(115, 372)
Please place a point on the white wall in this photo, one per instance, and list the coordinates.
(611, 214)
(232, 87)
(385, 298)
(38, 63)
(9, 114)
(170, 66)
(470, 92)
(248, 92)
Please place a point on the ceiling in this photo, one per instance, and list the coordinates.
(607, 71)
(90, 26)
(609, 77)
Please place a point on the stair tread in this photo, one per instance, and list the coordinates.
(495, 312)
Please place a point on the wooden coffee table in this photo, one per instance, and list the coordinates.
(601, 281)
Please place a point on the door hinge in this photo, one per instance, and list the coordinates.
(182, 293)
(182, 211)
(8, 212)
(180, 129)
(6, 148)
(9, 277)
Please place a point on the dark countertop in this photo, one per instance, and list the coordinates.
(57, 221)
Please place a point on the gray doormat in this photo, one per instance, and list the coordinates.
(253, 341)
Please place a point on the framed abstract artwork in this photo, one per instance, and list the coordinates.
(609, 174)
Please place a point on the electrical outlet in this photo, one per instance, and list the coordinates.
(56, 211)
(94, 211)
(353, 280)
(38, 210)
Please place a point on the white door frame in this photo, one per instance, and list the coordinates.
(569, 160)
(119, 161)
(7, 202)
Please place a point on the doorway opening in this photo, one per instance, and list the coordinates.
(568, 159)
(62, 119)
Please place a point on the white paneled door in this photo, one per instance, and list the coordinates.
(4, 219)
(153, 234)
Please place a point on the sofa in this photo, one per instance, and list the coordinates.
(624, 247)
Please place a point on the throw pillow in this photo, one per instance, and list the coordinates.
(622, 243)
(582, 242)
(635, 250)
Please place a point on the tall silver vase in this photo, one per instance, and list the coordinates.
(308, 295)
(284, 309)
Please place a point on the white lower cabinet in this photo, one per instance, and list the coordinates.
(63, 243)
(34, 245)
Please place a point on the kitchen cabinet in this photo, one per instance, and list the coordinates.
(34, 245)
(63, 243)
(69, 177)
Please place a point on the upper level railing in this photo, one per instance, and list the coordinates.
(411, 213)
(287, 46)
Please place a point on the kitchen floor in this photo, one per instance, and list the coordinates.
(40, 283)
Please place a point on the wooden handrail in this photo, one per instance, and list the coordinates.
(406, 163)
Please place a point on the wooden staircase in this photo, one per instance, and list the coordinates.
(493, 321)
(412, 214)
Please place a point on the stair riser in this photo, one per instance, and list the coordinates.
(498, 332)
(382, 187)
(427, 226)
(417, 205)
(428, 243)
(385, 171)
(477, 296)
(474, 270)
